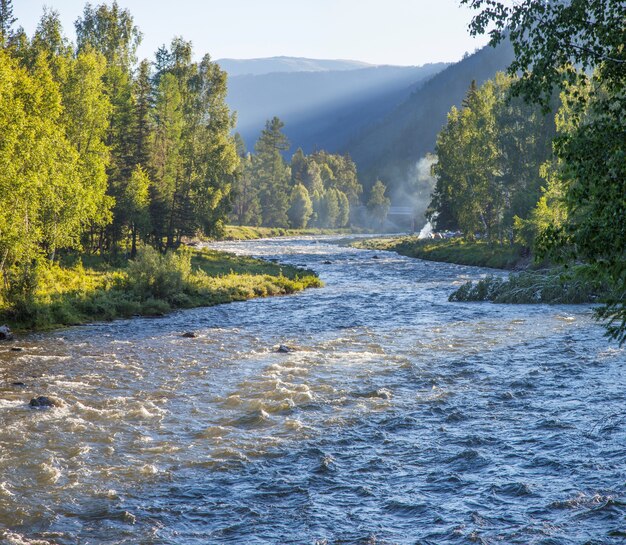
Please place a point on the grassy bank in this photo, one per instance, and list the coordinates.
(237, 232)
(478, 254)
(91, 289)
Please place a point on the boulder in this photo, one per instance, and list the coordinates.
(43, 402)
(190, 335)
(16, 349)
(327, 262)
(5, 333)
(285, 349)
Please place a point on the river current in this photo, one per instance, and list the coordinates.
(401, 418)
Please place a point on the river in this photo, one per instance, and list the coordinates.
(400, 419)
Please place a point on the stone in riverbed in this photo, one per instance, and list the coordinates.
(44, 402)
(190, 335)
(285, 349)
(5, 333)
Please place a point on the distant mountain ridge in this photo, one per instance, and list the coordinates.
(321, 109)
(269, 65)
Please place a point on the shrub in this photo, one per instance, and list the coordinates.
(158, 276)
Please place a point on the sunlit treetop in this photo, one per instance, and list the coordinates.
(552, 38)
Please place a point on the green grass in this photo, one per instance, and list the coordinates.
(236, 232)
(478, 253)
(75, 292)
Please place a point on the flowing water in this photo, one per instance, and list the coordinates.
(401, 418)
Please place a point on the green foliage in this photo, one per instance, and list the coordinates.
(272, 174)
(489, 158)
(300, 207)
(48, 295)
(585, 57)
(160, 276)
(378, 204)
(556, 286)
(6, 21)
(463, 252)
(268, 192)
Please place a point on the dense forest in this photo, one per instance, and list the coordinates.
(537, 157)
(317, 190)
(102, 154)
(99, 150)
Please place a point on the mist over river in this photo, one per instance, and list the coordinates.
(401, 418)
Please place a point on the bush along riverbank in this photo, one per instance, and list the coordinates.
(533, 284)
(150, 285)
(457, 250)
(560, 285)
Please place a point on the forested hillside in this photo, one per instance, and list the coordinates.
(390, 149)
(321, 109)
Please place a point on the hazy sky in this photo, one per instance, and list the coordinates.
(409, 32)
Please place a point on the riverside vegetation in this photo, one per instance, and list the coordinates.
(535, 159)
(76, 292)
(107, 164)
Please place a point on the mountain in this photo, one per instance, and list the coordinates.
(321, 109)
(391, 148)
(257, 67)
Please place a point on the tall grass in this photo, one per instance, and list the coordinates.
(462, 252)
(151, 284)
(554, 286)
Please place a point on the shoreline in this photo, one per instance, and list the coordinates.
(243, 232)
(149, 287)
(457, 251)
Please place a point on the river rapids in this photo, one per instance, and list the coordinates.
(400, 418)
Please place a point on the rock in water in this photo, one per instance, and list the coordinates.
(5, 333)
(190, 335)
(43, 402)
(284, 349)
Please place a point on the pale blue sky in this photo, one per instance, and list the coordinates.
(409, 32)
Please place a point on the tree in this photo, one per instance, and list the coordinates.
(300, 207)
(583, 33)
(378, 204)
(245, 195)
(111, 31)
(272, 174)
(344, 209)
(135, 204)
(298, 167)
(86, 117)
(143, 103)
(6, 21)
(585, 37)
(166, 159)
(489, 156)
(312, 178)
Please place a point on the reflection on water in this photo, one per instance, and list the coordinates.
(400, 418)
